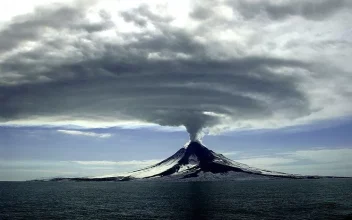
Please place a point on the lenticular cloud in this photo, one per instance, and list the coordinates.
(206, 67)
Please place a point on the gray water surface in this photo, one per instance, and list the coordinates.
(257, 199)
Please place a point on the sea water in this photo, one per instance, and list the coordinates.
(254, 199)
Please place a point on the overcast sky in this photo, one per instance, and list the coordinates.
(97, 73)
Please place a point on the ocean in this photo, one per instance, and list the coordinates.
(252, 199)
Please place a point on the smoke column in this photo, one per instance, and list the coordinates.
(194, 131)
(195, 125)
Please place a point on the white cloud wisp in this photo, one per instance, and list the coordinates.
(85, 133)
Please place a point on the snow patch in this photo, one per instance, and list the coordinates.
(185, 168)
(193, 159)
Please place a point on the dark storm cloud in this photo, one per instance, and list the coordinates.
(318, 9)
(142, 15)
(31, 27)
(151, 93)
(201, 13)
(165, 76)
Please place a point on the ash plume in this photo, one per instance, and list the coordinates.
(194, 131)
(195, 126)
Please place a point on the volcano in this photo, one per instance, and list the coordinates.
(194, 160)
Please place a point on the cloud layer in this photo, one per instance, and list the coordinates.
(323, 161)
(219, 65)
(118, 163)
(85, 133)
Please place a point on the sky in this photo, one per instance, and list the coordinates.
(92, 88)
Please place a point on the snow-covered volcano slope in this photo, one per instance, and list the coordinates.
(195, 160)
